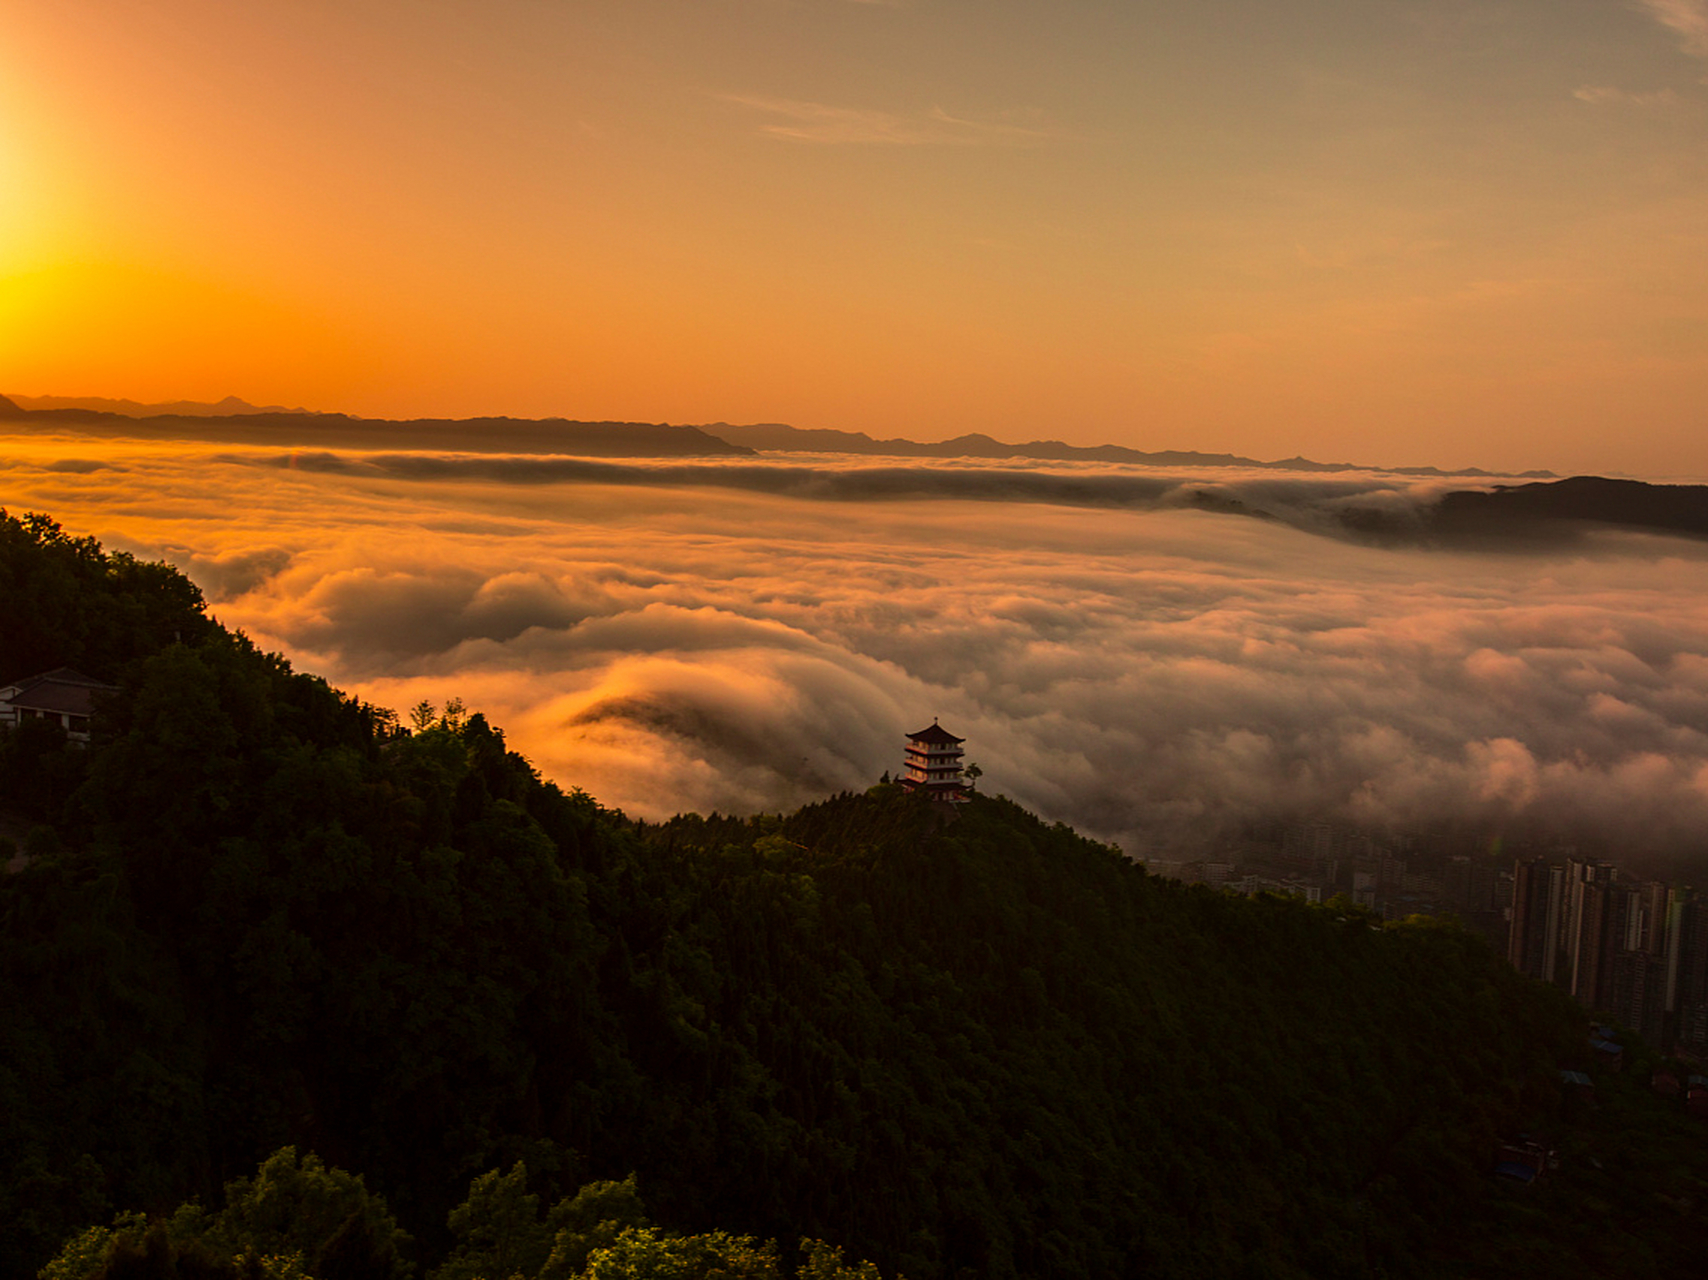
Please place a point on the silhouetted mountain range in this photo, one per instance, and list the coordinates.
(1538, 516)
(231, 406)
(776, 435)
(236, 421)
(338, 430)
(1665, 508)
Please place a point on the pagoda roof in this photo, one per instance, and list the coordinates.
(936, 735)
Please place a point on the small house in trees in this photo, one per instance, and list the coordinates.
(1609, 1052)
(64, 696)
(1696, 1097)
(1579, 1086)
(934, 764)
(1523, 1159)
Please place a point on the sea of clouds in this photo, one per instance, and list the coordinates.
(1158, 658)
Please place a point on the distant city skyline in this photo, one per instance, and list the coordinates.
(1452, 234)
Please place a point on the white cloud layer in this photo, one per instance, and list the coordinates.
(745, 637)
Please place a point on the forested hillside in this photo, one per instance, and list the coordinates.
(257, 914)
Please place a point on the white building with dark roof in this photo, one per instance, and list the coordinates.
(64, 696)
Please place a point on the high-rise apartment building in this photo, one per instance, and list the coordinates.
(1538, 917)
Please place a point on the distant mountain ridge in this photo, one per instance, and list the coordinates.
(781, 437)
(295, 429)
(238, 421)
(1533, 510)
(231, 406)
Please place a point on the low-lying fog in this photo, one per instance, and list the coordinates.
(748, 636)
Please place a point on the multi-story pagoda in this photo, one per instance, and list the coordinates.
(934, 764)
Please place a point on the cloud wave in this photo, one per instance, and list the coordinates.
(1342, 504)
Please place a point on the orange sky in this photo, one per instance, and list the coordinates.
(1448, 233)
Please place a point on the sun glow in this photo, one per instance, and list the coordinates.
(18, 217)
(154, 330)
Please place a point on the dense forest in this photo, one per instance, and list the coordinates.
(295, 988)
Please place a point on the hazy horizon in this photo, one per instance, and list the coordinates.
(1042, 434)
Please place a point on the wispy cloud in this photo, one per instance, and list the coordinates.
(1689, 18)
(797, 121)
(1601, 95)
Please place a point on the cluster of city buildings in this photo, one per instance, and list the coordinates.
(1632, 950)
(1636, 950)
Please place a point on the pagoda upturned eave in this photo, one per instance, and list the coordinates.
(935, 735)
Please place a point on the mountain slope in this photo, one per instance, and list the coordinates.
(262, 914)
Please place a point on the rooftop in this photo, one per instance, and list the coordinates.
(935, 735)
(62, 691)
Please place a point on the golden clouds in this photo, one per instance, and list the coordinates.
(1687, 18)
